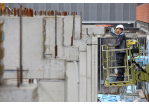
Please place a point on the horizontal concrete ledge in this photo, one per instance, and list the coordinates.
(22, 86)
(70, 46)
(57, 58)
(52, 80)
(72, 60)
(108, 22)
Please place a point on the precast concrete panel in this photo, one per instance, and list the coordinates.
(83, 79)
(54, 68)
(72, 86)
(73, 54)
(11, 43)
(77, 27)
(32, 44)
(25, 93)
(94, 69)
(84, 31)
(89, 76)
(81, 44)
(51, 91)
(32, 56)
(88, 38)
(97, 30)
(50, 36)
(60, 36)
(68, 27)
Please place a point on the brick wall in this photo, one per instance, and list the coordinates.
(142, 13)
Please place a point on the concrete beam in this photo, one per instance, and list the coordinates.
(100, 30)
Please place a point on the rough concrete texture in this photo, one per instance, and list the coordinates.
(36, 42)
(72, 86)
(25, 93)
(94, 69)
(81, 44)
(82, 91)
(100, 30)
(89, 72)
(77, 27)
(54, 68)
(50, 36)
(68, 27)
(51, 91)
(92, 29)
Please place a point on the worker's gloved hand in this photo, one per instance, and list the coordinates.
(112, 30)
(109, 44)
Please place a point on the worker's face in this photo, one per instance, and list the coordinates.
(118, 30)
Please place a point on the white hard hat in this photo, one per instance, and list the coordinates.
(120, 26)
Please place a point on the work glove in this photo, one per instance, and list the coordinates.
(112, 30)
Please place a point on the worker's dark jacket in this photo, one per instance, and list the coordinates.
(120, 42)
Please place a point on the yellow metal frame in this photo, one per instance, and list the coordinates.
(106, 67)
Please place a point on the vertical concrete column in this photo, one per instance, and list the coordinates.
(68, 20)
(60, 35)
(77, 26)
(89, 72)
(50, 36)
(83, 79)
(94, 69)
(72, 86)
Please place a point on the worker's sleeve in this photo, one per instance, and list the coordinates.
(118, 42)
(114, 35)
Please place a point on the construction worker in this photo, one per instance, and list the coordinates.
(120, 44)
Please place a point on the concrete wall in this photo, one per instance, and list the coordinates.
(24, 93)
(51, 91)
(58, 75)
